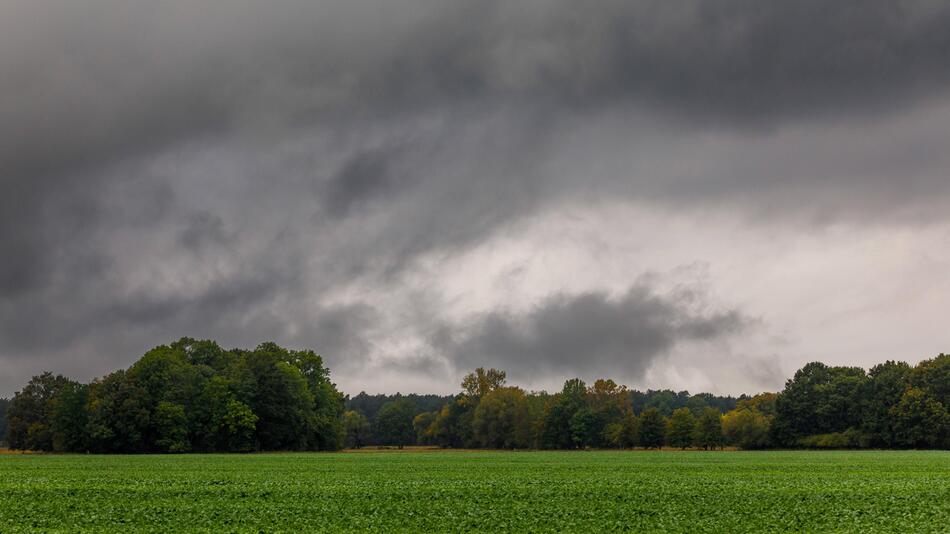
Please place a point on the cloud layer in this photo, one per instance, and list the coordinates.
(319, 173)
(585, 333)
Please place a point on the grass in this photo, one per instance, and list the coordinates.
(869, 491)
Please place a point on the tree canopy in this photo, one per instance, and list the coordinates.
(3, 420)
(192, 395)
(187, 396)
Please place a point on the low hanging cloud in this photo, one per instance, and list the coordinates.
(590, 334)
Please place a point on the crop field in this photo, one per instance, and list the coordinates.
(479, 491)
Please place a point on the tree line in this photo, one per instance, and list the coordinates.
(195, 396)
(187, 396)
(365, 429)
(893, 405)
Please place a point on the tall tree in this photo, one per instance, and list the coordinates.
(481, 382)
(764, 403)
(394, 423)
(609, 403)
(561, 409)
(708, 429)
(238, 425)
(501, 419)
(326, 431)
(28, 416)
(651, 428)
(680, 428)
(886, 384)
(453, 425)
(279, 396)
(204, 353)
(119, 414)
(587, 428)
(746, 428)
(818, 400)
(622, 434)
(171, 425)
(165, 375)
(920, 421)
(933, 377)
(4, 403)
(69, 418)
(422, 424)
(358, 430)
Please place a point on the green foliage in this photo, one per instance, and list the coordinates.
(172, 427)
(819, 400)
(394, 423)
(69, 419)
(886, 385)
(621, 433)
(764, 403)
(187, 396)
(666, 401)
(601, 491)
(680, 428)
(746, 428)
(29, 415)
(422, 424)
(614, 436)
(556, 433)
(193, 396)
(587, 428)
(920, 421)
(283, 400)
(453, 426)
(4, 403)
(501, 420)
(481, 382)
(893, 405)
(933, 377)
(357, 429)
(708, 432)
(849, 439)
(369, 405)
(651, 428)
(238, 424)
(119, 417)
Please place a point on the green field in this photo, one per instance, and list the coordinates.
(479, 491)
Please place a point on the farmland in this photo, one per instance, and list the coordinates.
(479, 491)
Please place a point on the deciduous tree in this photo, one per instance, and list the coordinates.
(708, 432)
(358, 430)
(680, 428)
(920, 420)
(651, 428)
(394, 423)
(501, 419)
(746, 428)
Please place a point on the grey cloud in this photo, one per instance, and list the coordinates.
(179, 166)
(203, 229)
(586, 334)
(765, 371)
(365, 176)
(131, 77)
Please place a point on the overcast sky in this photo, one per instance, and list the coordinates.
(696, 195)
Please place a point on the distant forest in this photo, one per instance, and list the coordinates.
(194, 396)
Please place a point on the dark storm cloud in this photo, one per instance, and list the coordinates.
(365, 176)
(202, 230)
(586, 334)
(413, 126)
